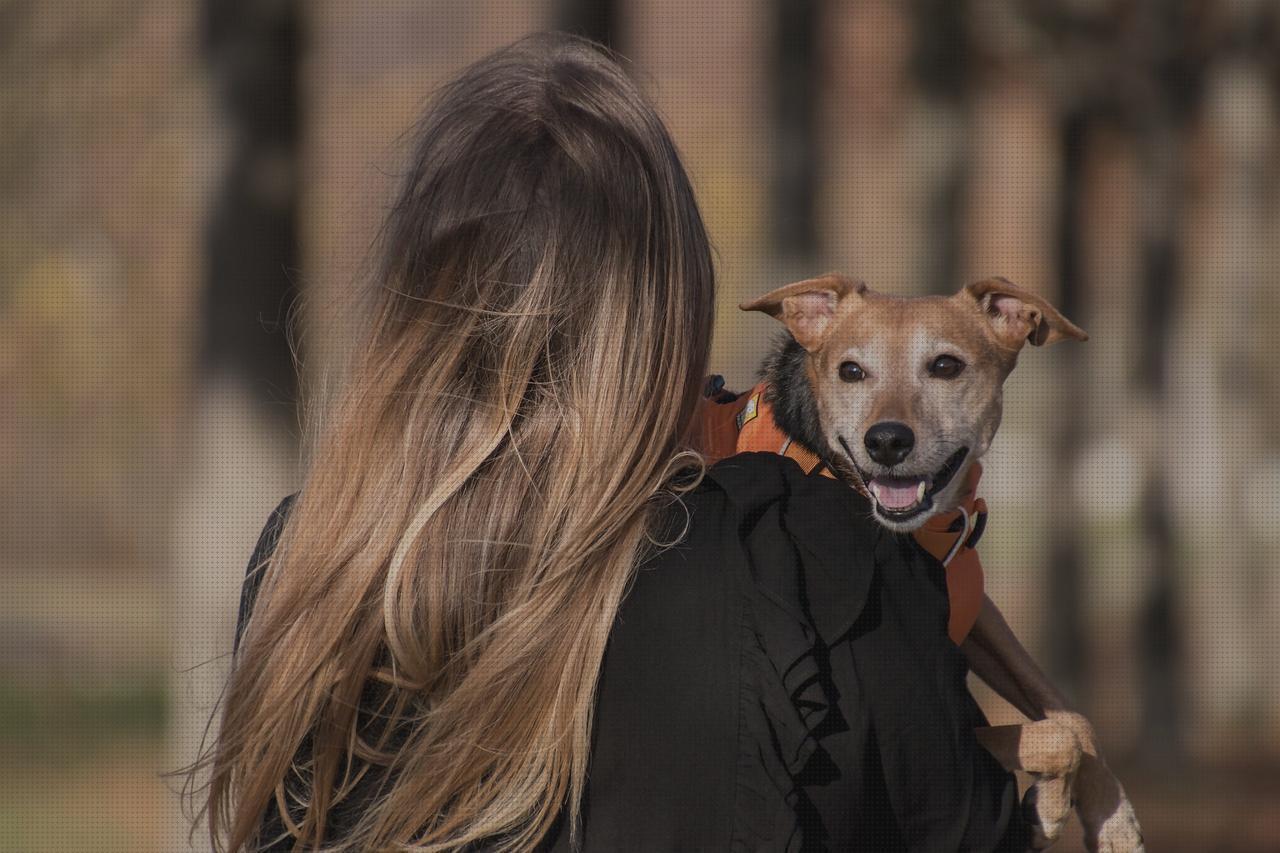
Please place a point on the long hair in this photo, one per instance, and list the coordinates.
(425, 647)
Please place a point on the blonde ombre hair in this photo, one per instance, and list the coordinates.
(426, 643)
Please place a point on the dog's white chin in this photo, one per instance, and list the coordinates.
(904, 525)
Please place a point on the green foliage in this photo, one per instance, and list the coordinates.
(64, 723)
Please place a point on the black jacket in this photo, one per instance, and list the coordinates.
(782, 680)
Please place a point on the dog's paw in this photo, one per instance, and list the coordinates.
(1079, 726)
(1046, 807)
(1110, 825)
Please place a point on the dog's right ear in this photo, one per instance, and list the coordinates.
(1019, 316)
(808, 307)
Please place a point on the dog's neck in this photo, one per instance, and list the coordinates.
(795, 407)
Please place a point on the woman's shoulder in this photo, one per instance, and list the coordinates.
(763, 511)
(755, 479)
(809, 541)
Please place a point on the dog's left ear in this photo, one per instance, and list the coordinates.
(808, 307)
(1019, 316)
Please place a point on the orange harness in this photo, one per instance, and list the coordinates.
(746, 424)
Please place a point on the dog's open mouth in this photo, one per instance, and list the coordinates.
(901, 498)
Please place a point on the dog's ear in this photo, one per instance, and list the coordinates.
(808, 307)
(1019, 316)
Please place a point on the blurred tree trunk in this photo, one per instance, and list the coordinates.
(1173, 48)
(1064, 618)
(943, 53)
(598, 20)
(254, 50)
(1263, 29)
(797, 153)
(1159, 629)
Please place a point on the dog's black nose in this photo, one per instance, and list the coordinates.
(889, 442)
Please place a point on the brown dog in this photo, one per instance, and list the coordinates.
(901, 396)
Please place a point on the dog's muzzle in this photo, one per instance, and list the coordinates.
(902, 498)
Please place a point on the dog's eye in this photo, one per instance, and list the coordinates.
(851, 371)
(946, 367)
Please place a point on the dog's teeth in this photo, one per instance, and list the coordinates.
(920, 492)
(875, 490)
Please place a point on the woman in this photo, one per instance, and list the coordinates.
(510, 610)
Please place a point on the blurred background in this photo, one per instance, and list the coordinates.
(174, 173)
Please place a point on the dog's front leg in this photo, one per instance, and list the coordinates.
(1000, 660)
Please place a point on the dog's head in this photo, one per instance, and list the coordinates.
(908, 389)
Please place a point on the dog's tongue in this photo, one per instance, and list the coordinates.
(896, 492)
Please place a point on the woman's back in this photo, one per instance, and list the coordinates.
(480, 489)
(781, 679)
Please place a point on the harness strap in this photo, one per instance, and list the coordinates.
(960, 540)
